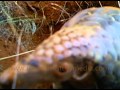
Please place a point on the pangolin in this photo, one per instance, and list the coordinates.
(85, 50)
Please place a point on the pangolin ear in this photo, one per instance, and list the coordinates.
(77, 77)
(83, 69)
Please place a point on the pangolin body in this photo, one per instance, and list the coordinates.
(88, 45)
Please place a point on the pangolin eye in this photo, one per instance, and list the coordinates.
(62, 69)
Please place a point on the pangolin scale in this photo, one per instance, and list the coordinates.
(87, 46)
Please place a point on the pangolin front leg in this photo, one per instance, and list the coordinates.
(86, 49)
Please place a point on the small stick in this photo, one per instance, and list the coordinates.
(16, 55)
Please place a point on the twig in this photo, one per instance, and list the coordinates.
(34, 10)
(17, 58)
(62, 10)
(100, 3)
(119, 3)
(86, 3)
(16, 55)
(78, 5)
